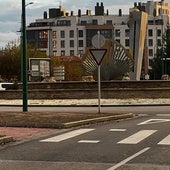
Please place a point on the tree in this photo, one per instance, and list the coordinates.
(10, 60)
(156, 65)
(160, 64)
(166, 50)
(72, 66)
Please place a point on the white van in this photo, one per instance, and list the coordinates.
(4, 86)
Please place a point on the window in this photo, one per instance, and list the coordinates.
(117, 33)
(158, 32)
(62, 44)
(150, 33)
(71, 43)
(127, 32)
(127, 42)
(83, 22)
(43, 44)
(62, 34)
(54, 53)
(109, 22)
(94, 22)
(159, 42)
(150, 42)
(80, 52)
(62, 53)
(71, 33)
(150, 52)
(63, 22)
(106, 33)
(71, 52)
(54, 34)
(80, 43)
(80, 33)
(43, 34)
(54, 44)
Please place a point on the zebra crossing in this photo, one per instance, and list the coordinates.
(165, 141)
(132, 139)
(137, 137)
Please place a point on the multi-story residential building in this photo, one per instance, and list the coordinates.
(62, 34)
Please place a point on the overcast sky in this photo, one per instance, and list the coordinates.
(10, 12)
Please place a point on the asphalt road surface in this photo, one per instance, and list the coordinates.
(158, 109)
(141, 143)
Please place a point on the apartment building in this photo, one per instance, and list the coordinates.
(60, 33)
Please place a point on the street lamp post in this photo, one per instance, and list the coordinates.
(24, 59)
(24, 56)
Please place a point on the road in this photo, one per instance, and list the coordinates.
(157, 109)
(139, 143)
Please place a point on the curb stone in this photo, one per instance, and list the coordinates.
(69, 124)
(6, 139)
(97, 120)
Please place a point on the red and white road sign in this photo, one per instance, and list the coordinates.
(98, 54)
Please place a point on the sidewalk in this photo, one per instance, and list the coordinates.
(21, 133)
(89, 102)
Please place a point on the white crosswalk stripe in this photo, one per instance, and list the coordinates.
(117, 130)
(165, 141)
(133, 139)
(88, 141)
(68, 135)
(137, 137)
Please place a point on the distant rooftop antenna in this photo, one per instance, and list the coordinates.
(59, 3)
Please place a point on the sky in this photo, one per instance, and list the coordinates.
(10, 12)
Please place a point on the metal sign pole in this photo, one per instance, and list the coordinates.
(99, 89)
(98, 54)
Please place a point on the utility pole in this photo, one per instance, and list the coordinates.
(24, 59)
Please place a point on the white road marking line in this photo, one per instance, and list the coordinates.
(137, 137)
(151, 121)
(128, 159)
(88, 141)
(68, 135)
(117, 130)
(165, 141)
(163, 115)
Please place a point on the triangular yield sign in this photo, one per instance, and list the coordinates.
(98, 54)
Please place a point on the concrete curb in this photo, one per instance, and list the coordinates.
(6, 139)
(83, 105)
(97, 120)
(69, 124)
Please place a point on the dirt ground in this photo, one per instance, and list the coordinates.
(43, 119)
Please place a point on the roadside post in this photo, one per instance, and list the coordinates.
(98, 54)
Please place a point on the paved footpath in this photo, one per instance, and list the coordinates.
(22, 133)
